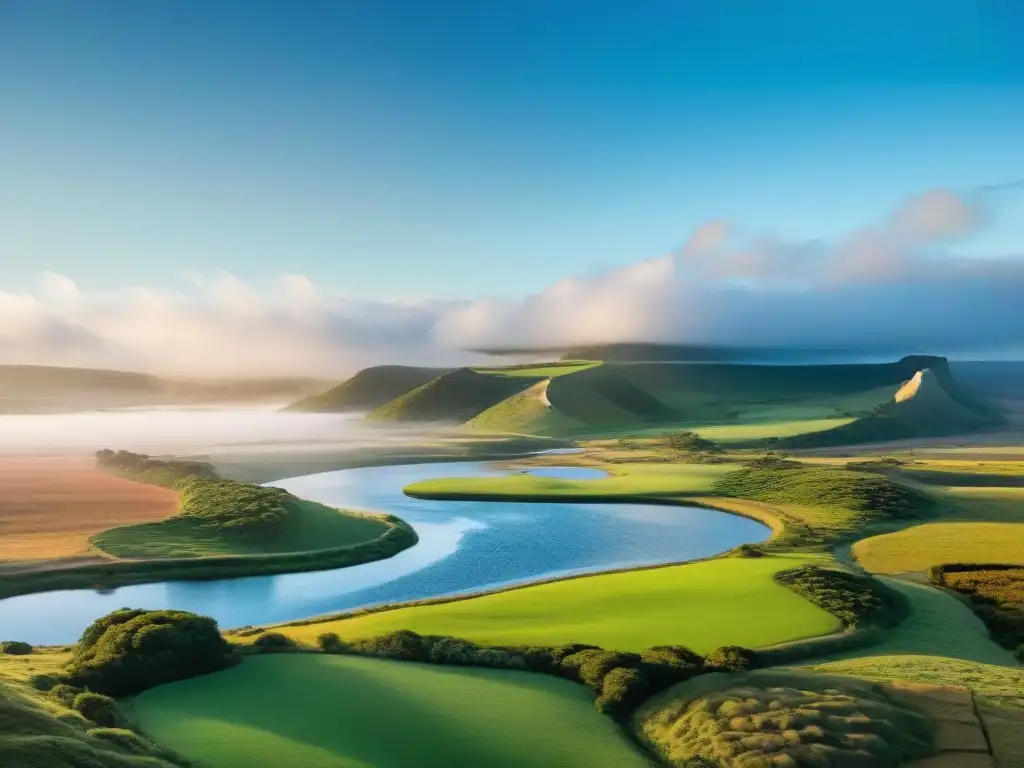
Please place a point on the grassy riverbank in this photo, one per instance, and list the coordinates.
(702, 605)
(223, 529)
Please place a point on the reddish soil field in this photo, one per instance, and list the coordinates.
(49, 507)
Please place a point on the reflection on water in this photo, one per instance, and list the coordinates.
(463, 546)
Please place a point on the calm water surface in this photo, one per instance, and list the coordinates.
(464, 546)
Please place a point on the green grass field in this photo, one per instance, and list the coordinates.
(541, 371)
(759, 430)
(313, 526)
(319, 711)
(639, 479)
(704, 605)
(985, 503)
(922, 546)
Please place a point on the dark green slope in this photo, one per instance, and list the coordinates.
(1003, 379)
(456, 396)
(598, 397)
(923, 407)
(768, 382)
(368, 389)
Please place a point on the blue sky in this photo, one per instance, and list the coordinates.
(474, 149)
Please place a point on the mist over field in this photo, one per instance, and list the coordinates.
(201, 431)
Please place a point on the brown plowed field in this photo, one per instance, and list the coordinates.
(49, 507)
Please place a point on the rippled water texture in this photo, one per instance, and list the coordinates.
(464, 546)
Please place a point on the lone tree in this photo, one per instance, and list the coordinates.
(689, 441)
(130, 650)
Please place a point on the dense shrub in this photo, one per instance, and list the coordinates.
(689, 441)
(214, 502)
(233, 507)
(403, 645)
(272, 642)
(591, 666)
(329, 642)
(64, 693)
(122, 737)
(621, 681)
(43, 682)
(855, 599)
(773, 460)
(452, 650)
(101, 709)
(674, 656)
(130, 650)
(15, 648)
(139, 466)
(624, 689)
(732, 658)
(749, 550)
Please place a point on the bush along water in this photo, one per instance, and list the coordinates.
(130, 650)
(216, 503)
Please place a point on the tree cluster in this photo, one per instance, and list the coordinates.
(689, 441)
(130, 650)
(15, 648)
(224, 505)
(621, 681)
(164, 472)
(854, 598)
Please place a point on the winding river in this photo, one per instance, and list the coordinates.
(464, 546)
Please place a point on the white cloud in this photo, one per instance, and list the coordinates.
(894, 284)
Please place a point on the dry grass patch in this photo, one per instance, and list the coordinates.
(771, 719)
(922, 546)
(49, 507)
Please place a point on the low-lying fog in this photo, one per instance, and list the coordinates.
(200, 431)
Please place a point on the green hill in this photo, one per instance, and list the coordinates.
(526, 412)
(761, 383)
(456, 396)
(53, 389)
(921, 407)
(368, 389)
(601, 397)
(589, 396)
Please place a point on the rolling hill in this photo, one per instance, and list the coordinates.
(456, 396)
(53, 389)
(921, 407)
(526, 412)
(858, 402)
(368, 389)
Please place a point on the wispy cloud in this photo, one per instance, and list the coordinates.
(897, 283)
